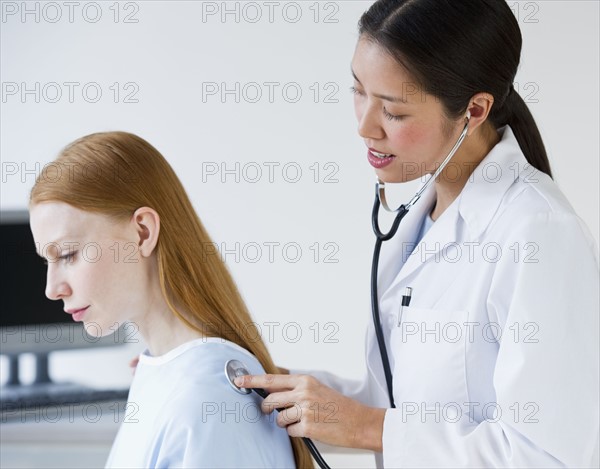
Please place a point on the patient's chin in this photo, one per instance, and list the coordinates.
(95, 330)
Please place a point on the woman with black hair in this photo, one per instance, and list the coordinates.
(488, 294)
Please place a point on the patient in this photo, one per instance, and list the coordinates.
(124, 244)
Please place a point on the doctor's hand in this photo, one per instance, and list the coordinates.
(308, 408)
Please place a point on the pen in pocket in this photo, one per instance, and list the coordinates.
(405, 302)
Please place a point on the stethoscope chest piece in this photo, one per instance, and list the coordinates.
(234, 369)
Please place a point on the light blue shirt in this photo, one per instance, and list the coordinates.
(425, 225)
(183, 412)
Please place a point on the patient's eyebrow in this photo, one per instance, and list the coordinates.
(54, 243)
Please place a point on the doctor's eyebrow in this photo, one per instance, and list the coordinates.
(391, 99)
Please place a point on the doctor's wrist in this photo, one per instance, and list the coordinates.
(370, 430)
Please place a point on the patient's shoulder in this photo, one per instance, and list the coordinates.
(202, 379)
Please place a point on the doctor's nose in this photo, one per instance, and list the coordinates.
(56, 286)
(369, 125)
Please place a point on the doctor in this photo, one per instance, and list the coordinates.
(495, 359)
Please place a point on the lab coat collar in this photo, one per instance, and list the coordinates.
(481, 197)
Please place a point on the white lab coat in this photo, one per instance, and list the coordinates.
(495, 363)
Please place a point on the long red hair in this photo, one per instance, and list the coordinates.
(115, 173)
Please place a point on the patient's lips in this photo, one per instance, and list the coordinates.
(77, 312)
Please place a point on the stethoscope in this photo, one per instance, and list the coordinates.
(235, 368)
(381, 237)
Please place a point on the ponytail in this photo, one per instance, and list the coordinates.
(516, 114)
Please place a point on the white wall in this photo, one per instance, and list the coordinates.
(164, 60)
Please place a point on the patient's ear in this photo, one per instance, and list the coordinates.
(147, 225)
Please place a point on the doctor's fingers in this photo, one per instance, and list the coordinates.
(328, 422)
(279, 401)
(307, 403)
(303, 417)
(273, 382)
(326, 415)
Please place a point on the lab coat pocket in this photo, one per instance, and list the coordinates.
(429, 349)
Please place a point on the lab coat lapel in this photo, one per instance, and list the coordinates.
(443, 234)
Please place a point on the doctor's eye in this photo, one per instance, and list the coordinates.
(392, 117)
(355, 91)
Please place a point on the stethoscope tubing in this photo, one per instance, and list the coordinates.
(402, 211)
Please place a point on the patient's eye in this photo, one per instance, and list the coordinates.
(68, 257)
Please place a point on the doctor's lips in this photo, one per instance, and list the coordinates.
(77, 312)
(379, 160)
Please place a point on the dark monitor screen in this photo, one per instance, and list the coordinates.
(23, 279)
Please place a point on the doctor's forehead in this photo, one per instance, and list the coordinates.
(374, 66)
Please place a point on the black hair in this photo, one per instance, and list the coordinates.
(455, 49)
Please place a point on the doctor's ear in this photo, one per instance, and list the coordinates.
(479, 108)
(147, 225)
